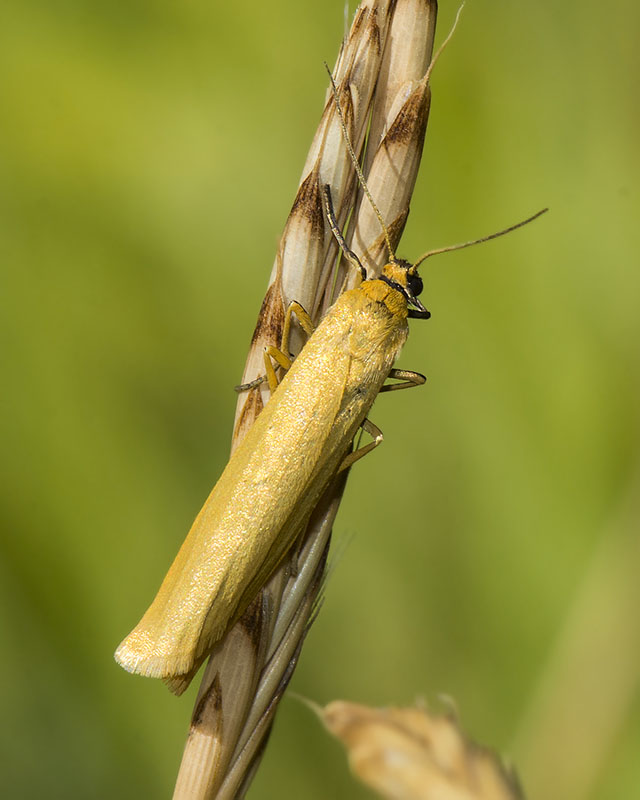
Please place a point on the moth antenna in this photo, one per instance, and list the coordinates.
(351, 151)
(440, 50)
(479, 241)
(356, 165)
(351, 257)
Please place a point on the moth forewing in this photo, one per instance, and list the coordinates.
(271, 484)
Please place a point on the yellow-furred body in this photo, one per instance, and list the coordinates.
(271, 484)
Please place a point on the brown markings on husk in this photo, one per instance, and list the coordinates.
(396, 227)
(252, 620)
(376, 253)
(249, 412)
(375, 35)
(358, 22)
(346, 103)
(270, 322)
(410, 125)
(308, 205)
(268, 331)
(207, 707)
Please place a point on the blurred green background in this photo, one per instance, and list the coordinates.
(149, 154)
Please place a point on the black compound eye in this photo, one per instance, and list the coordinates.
(414, 285)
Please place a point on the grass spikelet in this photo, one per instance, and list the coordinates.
(250, 669)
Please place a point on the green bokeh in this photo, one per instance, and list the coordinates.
(149, 153)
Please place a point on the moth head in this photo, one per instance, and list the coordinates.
(403, 276)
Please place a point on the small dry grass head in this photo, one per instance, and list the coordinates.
(409, 754)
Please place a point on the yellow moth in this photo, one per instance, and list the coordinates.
(275, 477)
(298, 444)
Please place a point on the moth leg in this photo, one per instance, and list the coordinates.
(306, 323)
(282, 360)
(372, 430)
(244, 387)
(280, 355)
(407, 378)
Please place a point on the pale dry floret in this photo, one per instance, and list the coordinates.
(412, 754)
